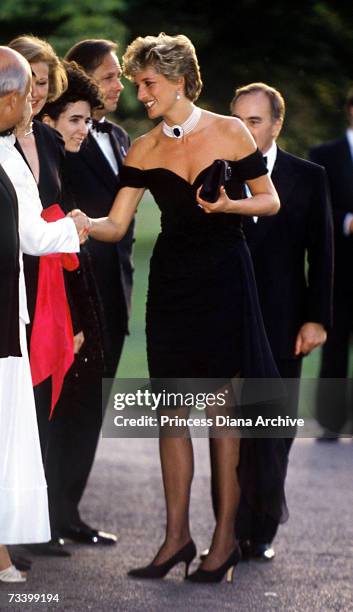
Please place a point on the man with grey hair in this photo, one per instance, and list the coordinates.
(296, 305)
(14, 77)
(24, 507)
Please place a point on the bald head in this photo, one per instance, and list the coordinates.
(14, 72)
(15, 83)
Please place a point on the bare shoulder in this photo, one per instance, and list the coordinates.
(234, 134)
(142, 147)
(235, 131)
(224, 123)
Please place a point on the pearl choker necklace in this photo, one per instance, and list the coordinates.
(178, 131)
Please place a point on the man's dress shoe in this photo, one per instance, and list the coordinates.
(253, 550)
(54, 548)
(84, 534)
(328, 436)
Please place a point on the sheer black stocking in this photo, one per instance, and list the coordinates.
(177, 470)
(224, 453)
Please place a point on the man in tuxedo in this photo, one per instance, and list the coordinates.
(333, 405)
(296, 306)
(93, 177)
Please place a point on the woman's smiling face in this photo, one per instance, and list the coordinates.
(73, 124)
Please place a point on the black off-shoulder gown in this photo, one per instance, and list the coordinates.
(203, 318)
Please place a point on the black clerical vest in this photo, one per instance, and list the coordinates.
(9, 269)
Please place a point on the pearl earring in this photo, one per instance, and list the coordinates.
(178, 96)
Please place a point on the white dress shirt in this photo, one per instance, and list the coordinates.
(37, 237)
(271, 156)
(103, 141)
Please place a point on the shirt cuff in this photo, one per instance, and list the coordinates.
(73, 239)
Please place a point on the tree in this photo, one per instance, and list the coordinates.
(302, 48)
(62, 23)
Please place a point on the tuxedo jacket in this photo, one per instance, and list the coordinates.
(292, 253)
(337, 160)
(9, 269)
(94, 187)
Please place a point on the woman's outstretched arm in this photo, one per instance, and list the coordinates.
(114, 227)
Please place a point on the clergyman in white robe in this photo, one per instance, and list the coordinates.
(23, 492)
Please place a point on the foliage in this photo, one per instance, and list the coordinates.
(62, 23)
(303, 48)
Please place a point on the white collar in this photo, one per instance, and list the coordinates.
(271, 155)
(6, 146)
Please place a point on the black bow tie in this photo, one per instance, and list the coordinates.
(102, 126)
(265, 159)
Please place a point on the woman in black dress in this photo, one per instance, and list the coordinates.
(203, 318)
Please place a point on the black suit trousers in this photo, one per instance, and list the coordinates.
(73, 438)
(333, 406)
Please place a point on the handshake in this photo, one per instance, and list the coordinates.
(82, 222)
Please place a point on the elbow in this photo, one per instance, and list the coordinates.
(118, 232)
(274, 206)
(115, 233)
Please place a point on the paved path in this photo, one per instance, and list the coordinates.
(313, 569)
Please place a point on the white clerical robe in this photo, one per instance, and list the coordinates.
(23, 491)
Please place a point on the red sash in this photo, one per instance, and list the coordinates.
(52, 347)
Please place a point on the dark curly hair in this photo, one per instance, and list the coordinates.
(80, 88)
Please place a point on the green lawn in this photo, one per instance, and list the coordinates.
(133, 363)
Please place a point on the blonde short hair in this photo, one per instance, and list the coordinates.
(171, 56)
(37, 50)
(277, 104)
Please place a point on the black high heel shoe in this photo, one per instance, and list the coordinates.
(184, 555)
(218, 574)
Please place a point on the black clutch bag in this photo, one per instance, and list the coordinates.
(219, 173)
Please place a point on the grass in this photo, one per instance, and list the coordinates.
(133, 363)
